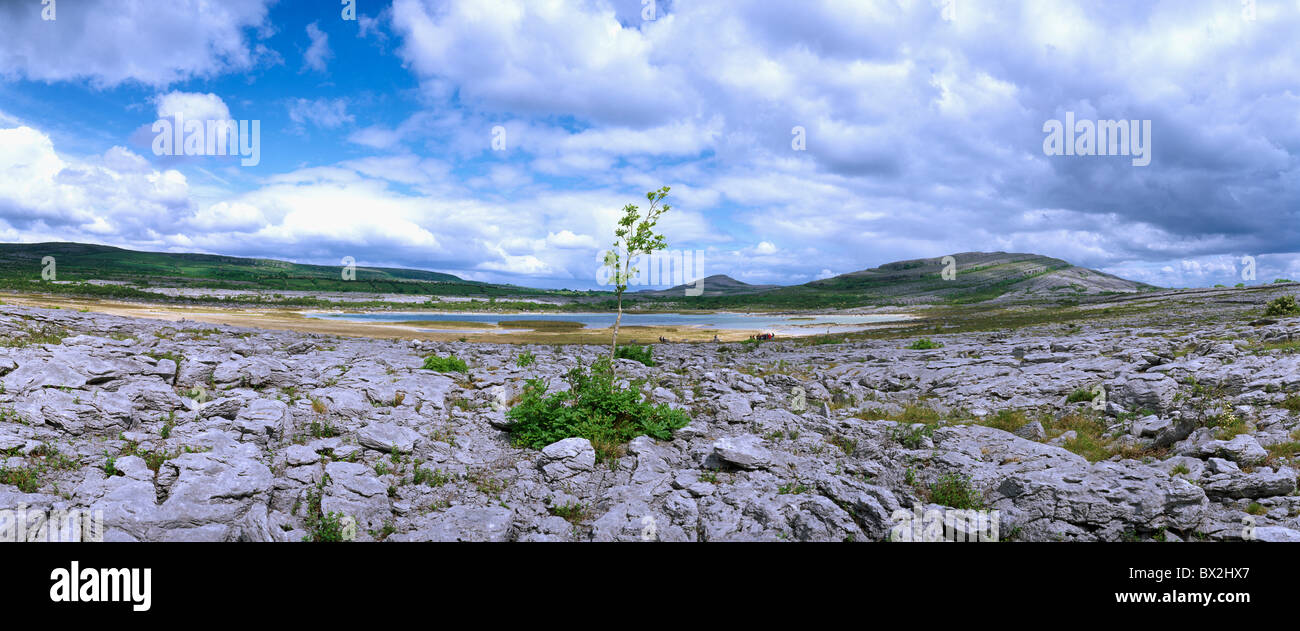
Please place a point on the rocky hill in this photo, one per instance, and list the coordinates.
(976, 277)
(716, 285)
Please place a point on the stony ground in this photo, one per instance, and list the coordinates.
(1180, 424)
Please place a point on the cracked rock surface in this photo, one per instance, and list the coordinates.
(182, 431)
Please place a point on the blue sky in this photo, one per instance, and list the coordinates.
(923, 126)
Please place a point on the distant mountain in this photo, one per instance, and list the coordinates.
(979, 277)
(716, 285)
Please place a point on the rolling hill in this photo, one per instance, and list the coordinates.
(716, 285)
(83, 262)
(979, 277)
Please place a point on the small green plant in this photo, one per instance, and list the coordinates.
(911, 437)
(594, 407)
(1006, 420)
(525, 359)
(1082, 394)
(1180, 469)
(574, 512)
(431, 477)
(1229, 424)
(322, 428)
(321, 526)
(1282, 306)
(1283, 451)
(636, 353)
(1256, 508)
(110, 464)
(1292, 402)
(925, 344)
(450, 363)
(848, 445)
(198, 394)
(791, 488)
(955, 490)
(168, 425)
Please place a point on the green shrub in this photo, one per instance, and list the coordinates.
(450, 363)
(430, 477)
(1282, 306)
(525, 359)
(321, 526)
(594, 408)
(322, 428)
(1082, 394)
(911, 437)
(955, 490)
(574, 512)
(924, 344)
(636, 353)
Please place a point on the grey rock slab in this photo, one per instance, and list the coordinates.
(1277, 534)
(1098, 502)
(462, 523)
(387, 436)
(35, 374)
(1264, 482)
(566, 458)
(746, 452)
(1242, 449)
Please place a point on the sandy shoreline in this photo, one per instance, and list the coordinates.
(297, 320)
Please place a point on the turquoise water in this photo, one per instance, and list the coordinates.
(813, 324)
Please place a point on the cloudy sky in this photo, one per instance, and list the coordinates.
(499, 139)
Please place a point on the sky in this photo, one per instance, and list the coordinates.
(499, 140)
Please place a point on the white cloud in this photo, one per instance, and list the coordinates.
(110, 42)
(327, 113)
(115, 195)
(192, 106)
(568, 240)
(318, 53)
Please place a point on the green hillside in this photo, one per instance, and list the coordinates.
(81, 262)
(980, 276)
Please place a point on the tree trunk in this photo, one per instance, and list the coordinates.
(613, 346)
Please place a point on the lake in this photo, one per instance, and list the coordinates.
(789, 324)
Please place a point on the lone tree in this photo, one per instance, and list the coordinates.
(634, 237)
